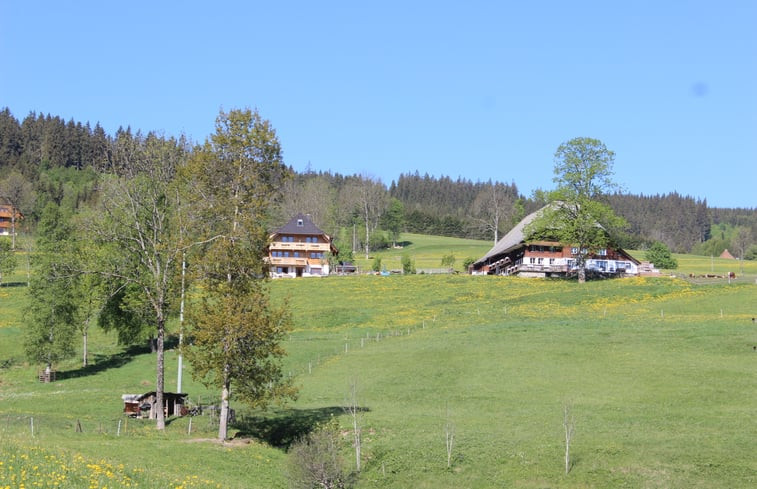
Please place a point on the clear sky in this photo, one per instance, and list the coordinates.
(476, 89)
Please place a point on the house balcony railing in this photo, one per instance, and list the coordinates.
(280, 245)
(288, 261)
(535, 267)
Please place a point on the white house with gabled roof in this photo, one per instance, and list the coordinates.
(299, 249)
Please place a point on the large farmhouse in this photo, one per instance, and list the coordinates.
(299, 249)
(514, 255)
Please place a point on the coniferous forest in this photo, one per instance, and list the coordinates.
(44, 159)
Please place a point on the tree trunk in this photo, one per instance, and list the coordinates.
(581, 275)
(13, 228)
(223, 418)
(84, 348)
(367, 239)
(159, 384)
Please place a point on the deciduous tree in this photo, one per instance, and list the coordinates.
(135, 224)
(659, 254)
(577, 217)
(741, 243)
(51, 323)
(495, 208)
(236, 331)
(394, 219)
(8, 261)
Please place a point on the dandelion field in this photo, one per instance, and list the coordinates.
(660, 374)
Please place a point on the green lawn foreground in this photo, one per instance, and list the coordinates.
(659, 372)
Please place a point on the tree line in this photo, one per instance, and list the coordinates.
(61, 159)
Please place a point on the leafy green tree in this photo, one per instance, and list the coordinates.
(135, 224)
(376, 266)
(576, 216)
(741, 243)
(408, 265)
(88, 289)
(51, 325)
(236, 332)
(394, 219)
(659, 254)
(8, 261)
(751, 253)
(125, 311)
(448, 260)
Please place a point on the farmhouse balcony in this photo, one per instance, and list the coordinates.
(280, 245)
(537, 268)
(288, 261)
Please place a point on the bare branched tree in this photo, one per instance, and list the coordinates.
(495, 209)
(353, 409)
(449, 436)
(569, 425)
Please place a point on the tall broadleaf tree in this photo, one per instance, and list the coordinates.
(577, 215)
(51, 314)
(236, 332)
(136, 227)
(8, 261)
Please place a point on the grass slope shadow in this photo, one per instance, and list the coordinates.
(281, 428)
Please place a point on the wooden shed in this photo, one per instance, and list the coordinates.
(143, 405)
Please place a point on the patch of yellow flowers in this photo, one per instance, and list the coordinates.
(35, 467)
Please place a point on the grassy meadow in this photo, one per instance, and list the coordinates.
(659, 374)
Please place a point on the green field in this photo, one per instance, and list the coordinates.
(660, 374)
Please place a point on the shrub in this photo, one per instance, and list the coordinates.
(448, 260)
(376, 267)
(315, 460)
(408, 265)
(659, 254)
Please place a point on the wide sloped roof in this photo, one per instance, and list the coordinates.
(514, 238)
(293, 227)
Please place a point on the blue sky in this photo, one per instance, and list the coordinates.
(475, 89)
